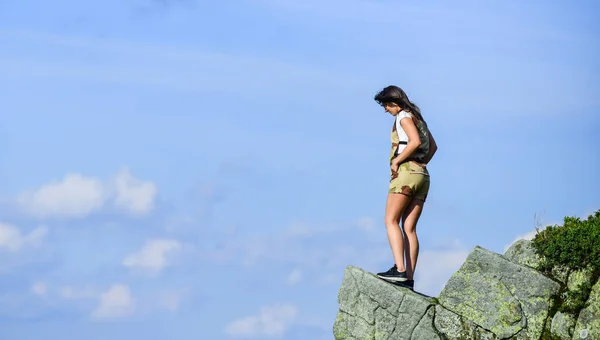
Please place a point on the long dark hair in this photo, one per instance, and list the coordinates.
(394, 94)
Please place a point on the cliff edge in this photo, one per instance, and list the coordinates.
(491, 296)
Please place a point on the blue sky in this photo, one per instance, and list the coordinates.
(206, 170)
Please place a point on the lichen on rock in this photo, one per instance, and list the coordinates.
(490, 297)
(454, 327)
(588, 321)
(488, 288)
(373, 309)
(562, 326)
(484, 300)
(522, 252)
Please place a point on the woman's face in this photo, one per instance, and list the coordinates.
(392, 108)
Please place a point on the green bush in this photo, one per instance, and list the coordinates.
(573, 246)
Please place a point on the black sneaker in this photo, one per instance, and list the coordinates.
(393, 275)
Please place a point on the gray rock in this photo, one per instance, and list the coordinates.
(500, 295)
(370, 308)
(453, 327)
(425, 329)
(588, 322)
(562, 326)
(448, 323)
(522, 252)
(522, 335)
(410, 313)
(486, 301)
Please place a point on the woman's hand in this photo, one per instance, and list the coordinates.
(394, 166)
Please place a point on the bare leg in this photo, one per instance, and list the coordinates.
(396, 203)
(409, 226)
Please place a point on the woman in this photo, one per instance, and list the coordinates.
(413, 147)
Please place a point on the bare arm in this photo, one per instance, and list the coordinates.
(432, 149)
(413, 140)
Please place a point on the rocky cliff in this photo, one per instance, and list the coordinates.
(492, 296)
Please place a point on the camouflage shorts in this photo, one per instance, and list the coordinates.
(411, 179)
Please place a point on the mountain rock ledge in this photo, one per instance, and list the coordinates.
(492, 296)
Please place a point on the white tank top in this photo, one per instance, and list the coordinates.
(402, 136)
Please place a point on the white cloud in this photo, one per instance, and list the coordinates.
(294, 277)
(13, 240)
(77, 196)
(272, 321)
(74, 196)
(436, 266)
(134, 195)
(153, 255)
(324, 253)
(116, 302)
(527, 236)
(301, 245)
(39, 288)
